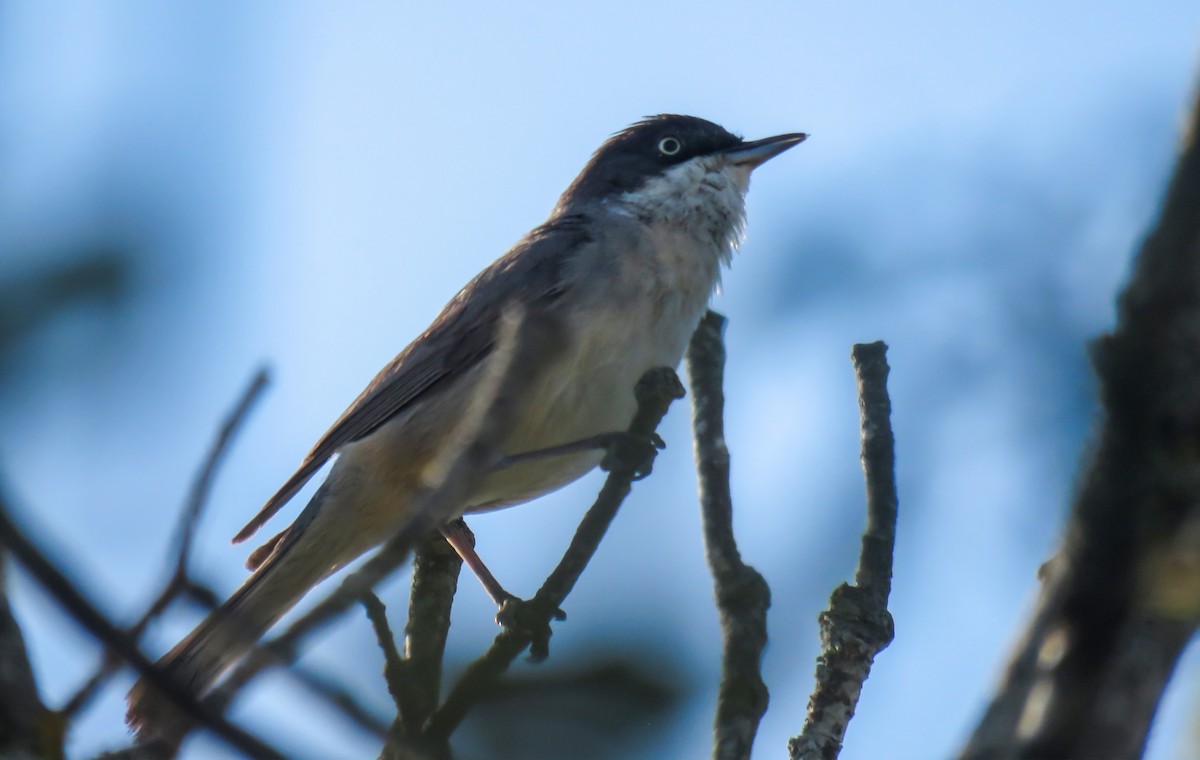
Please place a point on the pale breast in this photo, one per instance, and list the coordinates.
(636, 302)
(640, 320)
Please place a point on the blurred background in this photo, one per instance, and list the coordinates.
(189, 190)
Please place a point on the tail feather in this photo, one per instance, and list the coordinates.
(225, 636)
(264, 552)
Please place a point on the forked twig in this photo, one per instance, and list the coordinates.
(67, 594)
(179, 583)
(741, 592)
(857, 625)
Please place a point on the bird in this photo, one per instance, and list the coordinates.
(626, 263)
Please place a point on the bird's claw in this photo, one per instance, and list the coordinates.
(529, 618)
(631, 454)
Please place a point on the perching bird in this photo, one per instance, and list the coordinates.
(626, 263)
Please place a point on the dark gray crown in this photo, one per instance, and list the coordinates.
(630, 157)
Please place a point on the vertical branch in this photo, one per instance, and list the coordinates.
(742, 595)
(857, 625)
(1119, 600)
(874, 573)
(435, 580)
(27, 729)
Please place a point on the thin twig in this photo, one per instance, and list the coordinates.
(857, 625)
(741, 592)
(317, 683)
(198, 496)
(655, 392)
(178, 581)
(84, 695)
(393, 665)
(320, 685)
(67, 594)
(340, 697)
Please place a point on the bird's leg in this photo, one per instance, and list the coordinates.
(623, 451)
(514, 612)
(459, 536)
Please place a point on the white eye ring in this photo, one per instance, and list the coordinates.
(669, 146)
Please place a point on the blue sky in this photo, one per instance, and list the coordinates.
(306, 185)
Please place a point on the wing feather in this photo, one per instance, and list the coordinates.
(460, 337)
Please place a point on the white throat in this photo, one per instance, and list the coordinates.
(704, 197)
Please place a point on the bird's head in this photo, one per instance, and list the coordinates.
(666, 156)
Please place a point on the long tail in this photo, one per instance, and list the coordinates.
(232, 629)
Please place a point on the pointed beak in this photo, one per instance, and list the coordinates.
(755, 153)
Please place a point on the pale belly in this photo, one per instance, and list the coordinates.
(588, 392)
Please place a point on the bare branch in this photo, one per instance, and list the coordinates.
(340, 697)
(393, 666)
(320, 685)
(27, 728)
(874, 573)
(1119, 600)
(66, 593)
(198, 496)
(655, 392)
(436, 569)
(741, 592)
(435, 580)
(857, 625)
(178, 583)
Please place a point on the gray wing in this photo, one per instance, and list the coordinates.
(460, 337)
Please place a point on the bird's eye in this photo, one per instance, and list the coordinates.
(669, 146)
